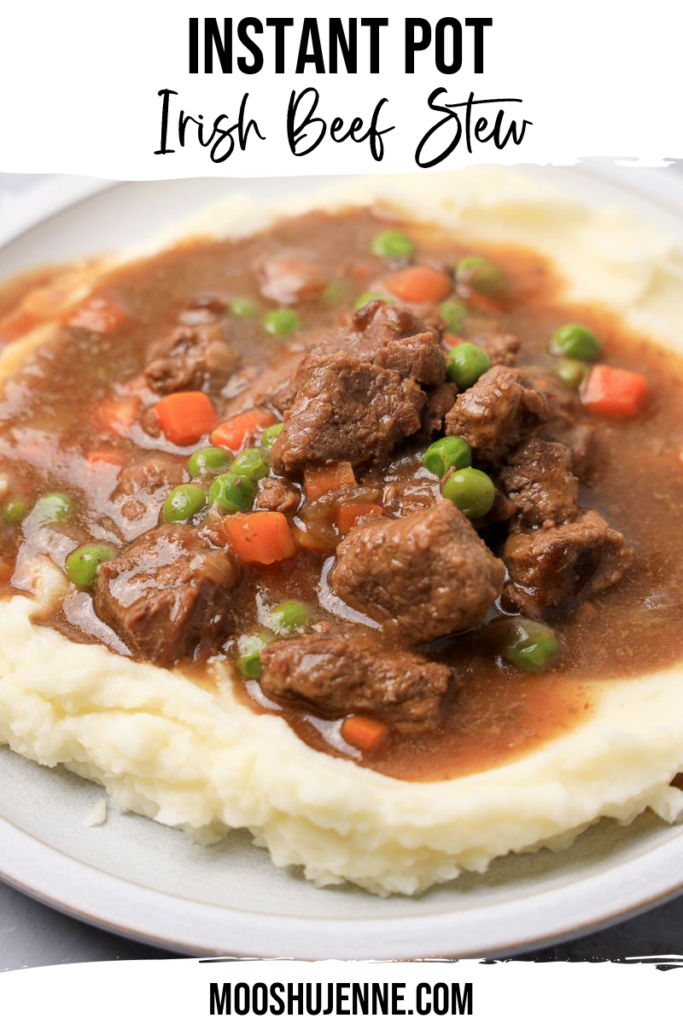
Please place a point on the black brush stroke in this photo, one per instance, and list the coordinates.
(660, 963)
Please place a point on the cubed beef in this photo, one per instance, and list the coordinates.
(168, 596)
(553, 570)
(498, 412)
(195, 356)
(142, 489)
(538, 478)
(421, 577)
(346, 410)
(565, 421)
(335, 676)
(500, 346)
(276, 495)
(391, 337)
(440, 401)
(388, 336)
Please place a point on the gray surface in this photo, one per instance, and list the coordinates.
(32, 935)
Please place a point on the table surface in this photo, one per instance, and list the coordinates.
(32, 935)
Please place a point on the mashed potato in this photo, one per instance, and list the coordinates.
(202, 761)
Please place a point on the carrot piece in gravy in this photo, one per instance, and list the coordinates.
(419, 284)
(363, 733)
(613, 392)
(319, 480)
(482, 303)
(234, 432)
(260, 538)
(185, 416)
(349, 514)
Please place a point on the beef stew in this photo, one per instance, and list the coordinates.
(413, 498)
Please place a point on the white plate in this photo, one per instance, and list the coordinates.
(151, 883)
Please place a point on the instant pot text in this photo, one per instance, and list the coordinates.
(335, 46)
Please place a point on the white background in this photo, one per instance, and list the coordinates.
(79, 84)
(178, 991)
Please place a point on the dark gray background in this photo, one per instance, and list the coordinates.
(32, 935)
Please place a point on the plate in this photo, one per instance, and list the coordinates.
(151, 883)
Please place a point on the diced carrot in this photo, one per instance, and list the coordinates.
(610, 391)
(98, 314)
(15, 324)
(482, 303)
(364, 733)
(419, 284)
(319, 480)
(260, 538)
(108, 455)
(350, 513)
(234, 432)
(451, 340)
(185, 416)
(117, 415)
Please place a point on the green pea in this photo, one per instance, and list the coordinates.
(528, 645)
(366, 297)
(271, 434)
(55, 507)
(573, 372)
(232, 493)
(288, 616)
(447, 453)
(281, 322)
(82, 564)
(242, 308)
(470, 490)
(207, 461)
(392, 243)
(254, 463)
(575, 342)
(250, 647)
(479, 273)
(14, 511)
(183, 503)
(465, 364)
(453, 313)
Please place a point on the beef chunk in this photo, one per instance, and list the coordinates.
(440, 401)
(421, 577)
(195, 356)
(539, 479)
(500, 346)
(168, 596)
(391, 337)
(276, 495)
(565, 421)
(346, 410)
(498, 412)
(336, 677)
(551, 571)
(143, 487)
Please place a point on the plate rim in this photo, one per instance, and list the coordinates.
(125, 908)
